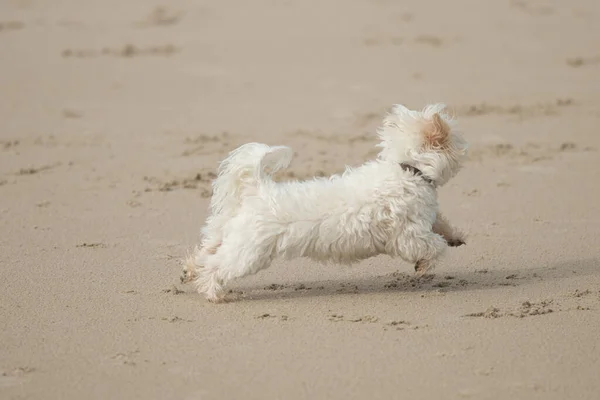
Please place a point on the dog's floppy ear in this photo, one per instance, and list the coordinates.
(436, 132)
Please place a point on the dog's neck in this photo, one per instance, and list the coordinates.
(416, 171)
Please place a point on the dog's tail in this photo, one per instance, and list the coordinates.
(243, 170)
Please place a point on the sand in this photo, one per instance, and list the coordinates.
(114, 114)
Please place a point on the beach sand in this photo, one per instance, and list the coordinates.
(114, 116)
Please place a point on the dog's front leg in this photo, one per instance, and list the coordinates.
(453, 236)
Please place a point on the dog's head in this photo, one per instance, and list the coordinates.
(427, 140)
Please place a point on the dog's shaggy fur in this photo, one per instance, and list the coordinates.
(386, 206)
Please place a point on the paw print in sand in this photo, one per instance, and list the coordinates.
(456, 242)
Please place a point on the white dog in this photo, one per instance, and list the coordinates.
(386, 206)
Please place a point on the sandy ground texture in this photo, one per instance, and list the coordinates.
(114, 114)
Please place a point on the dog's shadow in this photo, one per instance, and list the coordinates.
(483, 279)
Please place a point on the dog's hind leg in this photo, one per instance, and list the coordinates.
(212, 236)
(209, 283)
(233, 259)
(195, 261)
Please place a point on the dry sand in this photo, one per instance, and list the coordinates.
(114, 114)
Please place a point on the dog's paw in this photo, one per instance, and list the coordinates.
(185, 278)
(188, 275)
(218, 299)
(422, 267)
(189, 271)
(456, 242)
